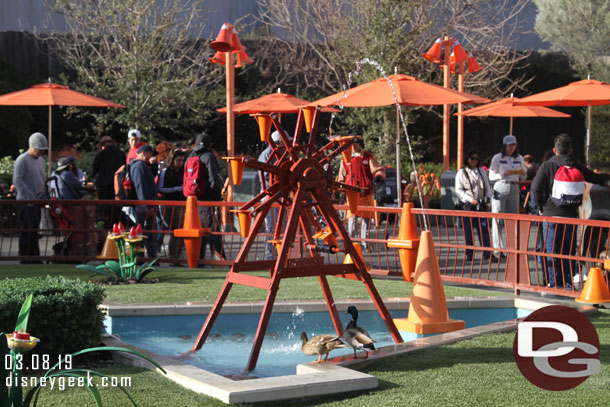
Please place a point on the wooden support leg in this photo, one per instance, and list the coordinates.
(209, 321)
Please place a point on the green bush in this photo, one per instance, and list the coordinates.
(64, 314)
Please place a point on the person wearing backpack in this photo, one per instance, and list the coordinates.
(204, 181)
(557, 190)
(146, 190)
(362, 171)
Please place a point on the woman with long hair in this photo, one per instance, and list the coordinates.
(474, 193)
(170, 189)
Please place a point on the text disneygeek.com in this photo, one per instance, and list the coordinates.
(62, 383)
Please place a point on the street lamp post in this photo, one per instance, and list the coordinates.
(450, 59)
(227, 47)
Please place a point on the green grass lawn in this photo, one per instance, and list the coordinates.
(478, 372)
(200, 285)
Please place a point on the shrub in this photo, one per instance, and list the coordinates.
(64, 312)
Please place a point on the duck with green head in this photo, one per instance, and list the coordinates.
(356, 336)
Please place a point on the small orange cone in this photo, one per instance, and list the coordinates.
(348, 260)
(191, 232)
(245, 220)
(264, 125)
(407, 242)
(428, 312)
(308, 116)
(596, 290)
(352, 197)
(237, 169)
(110, 251)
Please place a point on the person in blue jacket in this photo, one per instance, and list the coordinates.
(146, 190)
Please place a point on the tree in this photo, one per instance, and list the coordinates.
(148, 55)
(313, 46)
(581, 29)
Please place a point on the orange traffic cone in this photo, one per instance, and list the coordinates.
(596, 290)
(223, 41)
(237, 169)
(264, 125)
(110, 250)
(428, 312)
(308, 116)
(407, 242)
(192, 232)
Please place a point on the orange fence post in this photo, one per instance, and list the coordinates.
(407, 242)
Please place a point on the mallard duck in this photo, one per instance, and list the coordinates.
(356, 336)
(320, 345)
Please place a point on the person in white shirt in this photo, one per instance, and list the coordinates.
(506, 170)
(474, 193)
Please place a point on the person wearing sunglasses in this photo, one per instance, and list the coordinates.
(474, 193)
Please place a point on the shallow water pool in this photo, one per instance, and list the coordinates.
(227, 349)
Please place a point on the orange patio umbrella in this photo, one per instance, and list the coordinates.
(588, 92)
(52, 94)
(409, 91)
(272, 103)
(508, 107)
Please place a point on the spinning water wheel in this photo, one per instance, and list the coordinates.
(299, 184)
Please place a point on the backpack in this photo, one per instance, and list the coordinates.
(195, 178)
(123, 187)
(359, 173)
(568, 187)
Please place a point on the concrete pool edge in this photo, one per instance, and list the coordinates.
(311, 379)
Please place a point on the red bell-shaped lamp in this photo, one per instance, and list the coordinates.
(218, 58)
(223, 42)
(460, 54)
(434, 53)
(473, 65)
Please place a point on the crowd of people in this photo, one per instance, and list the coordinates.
(151, 178)
(502, 187)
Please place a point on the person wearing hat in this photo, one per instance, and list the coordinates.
(68, 185)
(146, 190)
(106, 162)
(134, 138)
(209, 215)
(507, 168)
(29, 178)
(267, 156)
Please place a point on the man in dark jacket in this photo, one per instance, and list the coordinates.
(146, 190)
(105, 164)
(209, 218)
(560, 238)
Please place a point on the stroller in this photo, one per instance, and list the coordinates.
(62, 217)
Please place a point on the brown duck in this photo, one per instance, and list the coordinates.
(320, 345)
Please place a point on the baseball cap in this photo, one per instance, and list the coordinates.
(134, 133)
(146, 149)
(510, 139)
(275, 136)
(39, 141)
(203, 138)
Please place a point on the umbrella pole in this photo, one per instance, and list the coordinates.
(588, 147)
(510, 129)
(50, 141)
(398, 182)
